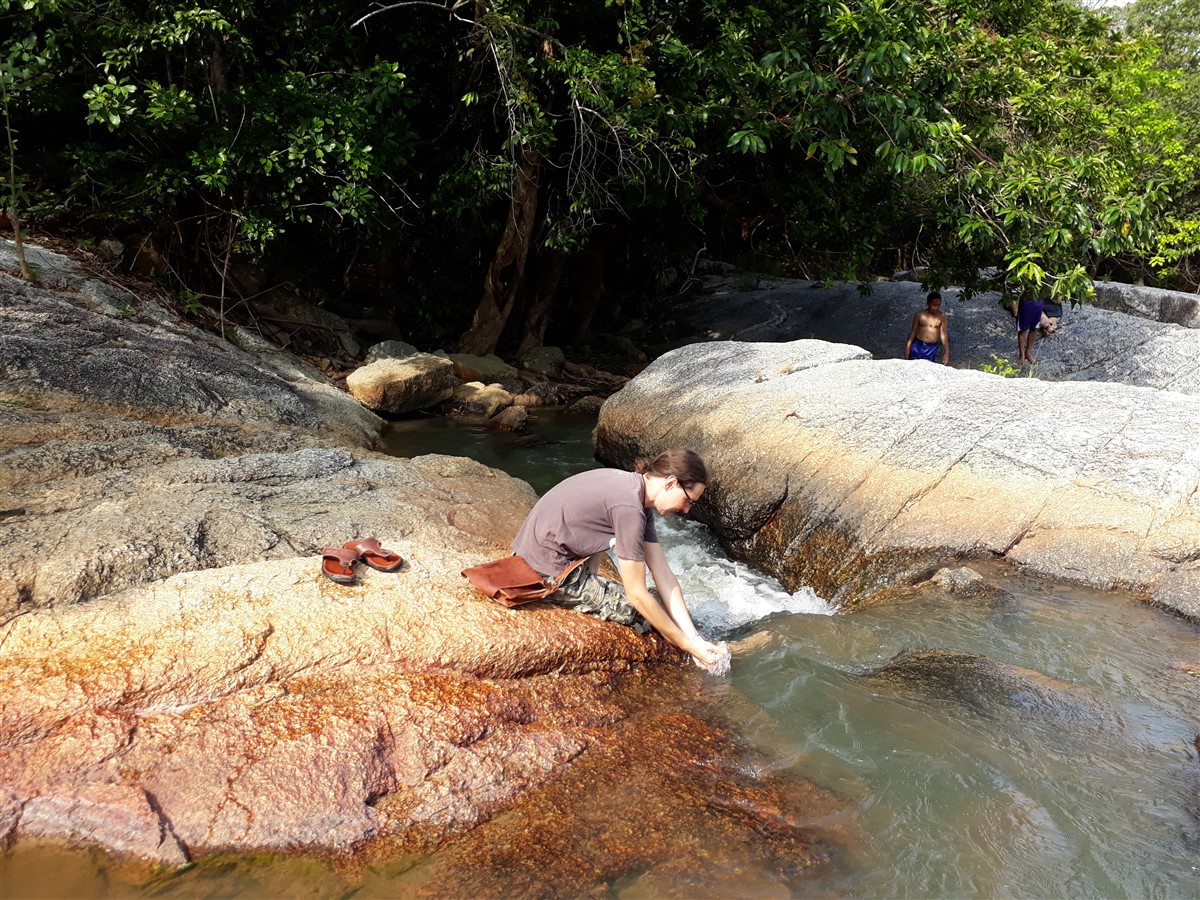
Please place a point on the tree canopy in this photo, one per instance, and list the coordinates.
(512, 159)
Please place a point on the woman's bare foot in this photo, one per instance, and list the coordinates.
(752, 643)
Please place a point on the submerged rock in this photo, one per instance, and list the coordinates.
(989, 686)
(512, 418)
(966, 582)
(667, 804)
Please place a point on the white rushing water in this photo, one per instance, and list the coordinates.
(723, 595)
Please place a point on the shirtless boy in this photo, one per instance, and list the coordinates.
(928, 330)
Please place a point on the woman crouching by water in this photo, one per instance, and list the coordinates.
(593, 512)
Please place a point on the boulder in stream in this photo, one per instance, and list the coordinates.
(852, 475)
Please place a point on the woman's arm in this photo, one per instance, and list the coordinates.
(633, 579)
(669, 589)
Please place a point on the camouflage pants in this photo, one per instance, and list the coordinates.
(587, 592)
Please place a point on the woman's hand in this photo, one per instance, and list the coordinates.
(710, 657)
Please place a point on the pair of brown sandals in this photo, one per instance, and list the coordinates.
(337, 562)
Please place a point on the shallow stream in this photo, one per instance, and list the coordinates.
(982, 793)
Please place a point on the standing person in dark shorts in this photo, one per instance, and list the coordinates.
(1029, 318)
(928, 330)
(592, 512)
(1051, 316)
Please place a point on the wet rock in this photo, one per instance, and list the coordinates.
(529, 441)
(10, 817)
(663, 806)
(966, 582)
(403, 385)
(112, 815)
(478, 399)
(836, 471)
(587, 406)
(989, 686)
(541, 393)
(546, 361)
(513, 418)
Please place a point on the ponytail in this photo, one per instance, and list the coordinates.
(686, 465)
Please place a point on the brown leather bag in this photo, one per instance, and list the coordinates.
(512, 581)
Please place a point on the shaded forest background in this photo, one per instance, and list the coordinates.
(498, 175)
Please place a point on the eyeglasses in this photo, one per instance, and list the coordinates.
(690, 499)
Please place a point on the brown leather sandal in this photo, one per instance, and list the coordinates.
(371, 552)
(335, 564)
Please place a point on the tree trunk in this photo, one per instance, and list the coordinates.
(504, 275)
(591, 280)
(538, 315)
(19, 240)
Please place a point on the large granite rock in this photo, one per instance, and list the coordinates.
(489, 369)
(107, 351)
(850, 475)
(1151, 303)
(259, 705)
(1092, 344)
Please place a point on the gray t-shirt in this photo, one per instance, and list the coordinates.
(578, 517)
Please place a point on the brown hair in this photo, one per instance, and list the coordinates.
(686, 465)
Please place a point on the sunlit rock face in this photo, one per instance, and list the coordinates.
(853, 475)
(403, 385)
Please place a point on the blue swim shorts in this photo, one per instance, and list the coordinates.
(922, 350)
(1029, 314)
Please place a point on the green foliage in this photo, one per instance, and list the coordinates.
(236, 125)
(1027, 135)
(1177, 252)
(1174, 28)
(192, 302)
(23, 69)
(1002, 367)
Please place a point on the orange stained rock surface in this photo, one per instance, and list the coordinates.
(672, 805)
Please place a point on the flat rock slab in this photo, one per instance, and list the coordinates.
(1091, 344)
(845, 473)
(259, 705)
